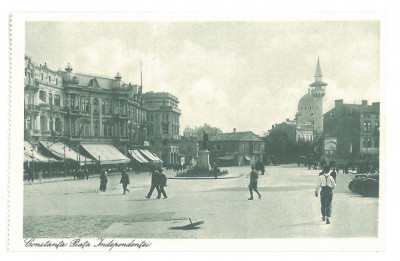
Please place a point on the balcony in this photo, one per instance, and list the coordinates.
(57, 109)
(121, 116)
(44, 106)
(45, 132)
(34, 133)
(31, 107)
(31, 85)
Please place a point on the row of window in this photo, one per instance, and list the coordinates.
(367, 126)
(56, 101)
(49, 78)
(235, 146)
(367, 143)
(108, 130)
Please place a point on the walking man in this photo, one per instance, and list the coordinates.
(253, 183)
(154, 183)
(162, 184)
(327, 184)
(103, 181)
(124, 181)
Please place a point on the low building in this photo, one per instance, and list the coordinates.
(351, 132)
(236, 148)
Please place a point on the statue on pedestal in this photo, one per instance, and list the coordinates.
(205, 141)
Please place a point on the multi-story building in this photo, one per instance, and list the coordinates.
(351, 132)
(163, 125)
(78, 109)
(236, 148)
(309, 115)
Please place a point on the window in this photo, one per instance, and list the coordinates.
(42, 96)
(57, 100)
(332, 114)
(369, 143)
(57, 81)
(165, 128)
(41, 76)
(51, 123)
(150, 130)
(96, 106)
(50, 98)
(377, 127)
(377, 142)
(49, 78)
(58, 125)
(367, 126)
(96, 130)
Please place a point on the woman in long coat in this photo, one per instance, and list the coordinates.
(103, 181)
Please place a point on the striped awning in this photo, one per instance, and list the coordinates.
(137, 156)
(30, 154)
(58, 149)
(105, 153)
(150, 156)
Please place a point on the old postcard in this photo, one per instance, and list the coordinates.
(136, 132)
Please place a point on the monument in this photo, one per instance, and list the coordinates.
(204, 153)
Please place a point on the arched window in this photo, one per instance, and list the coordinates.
(58, 125)
(51, 123)
(96, 106)
(110, 132)
(43, 122)
(96, 130)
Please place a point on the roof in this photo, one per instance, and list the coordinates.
(103, 82)
(318, 72)
(236, 136)
(306, 100)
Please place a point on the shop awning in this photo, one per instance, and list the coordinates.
(107, 154)
(31, 154)
(57, 149)
(137, 156)
(247, 158)
(150, 156)
(156, 157)
(227, 157)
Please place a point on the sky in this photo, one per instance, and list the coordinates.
(243, 75)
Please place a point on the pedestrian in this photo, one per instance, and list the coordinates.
(124, 181)
(215, 170)
(327, 184)
(333, 174)
(253, 183)
(103, 181)
(41, 176)
(86, 173)
(31, 176)
(162, 184)
(154, 182)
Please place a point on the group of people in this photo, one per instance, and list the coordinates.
(80, 174)
(158, 182)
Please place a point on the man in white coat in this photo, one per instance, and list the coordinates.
(327, 184)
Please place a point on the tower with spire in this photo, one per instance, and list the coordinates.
(309, 116)
(317, 90)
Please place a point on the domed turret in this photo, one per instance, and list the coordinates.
(305, 102)
(69, 77)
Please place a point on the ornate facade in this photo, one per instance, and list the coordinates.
(77, 108)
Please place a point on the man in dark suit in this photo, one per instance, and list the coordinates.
(162, 183)
(155, 179)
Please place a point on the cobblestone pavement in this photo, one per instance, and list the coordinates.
(287, 209)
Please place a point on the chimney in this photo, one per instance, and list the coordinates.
(338, 103)
(364, 102)
(234, 130)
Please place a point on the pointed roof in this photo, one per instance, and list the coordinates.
(318, 72)
(318, 77)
